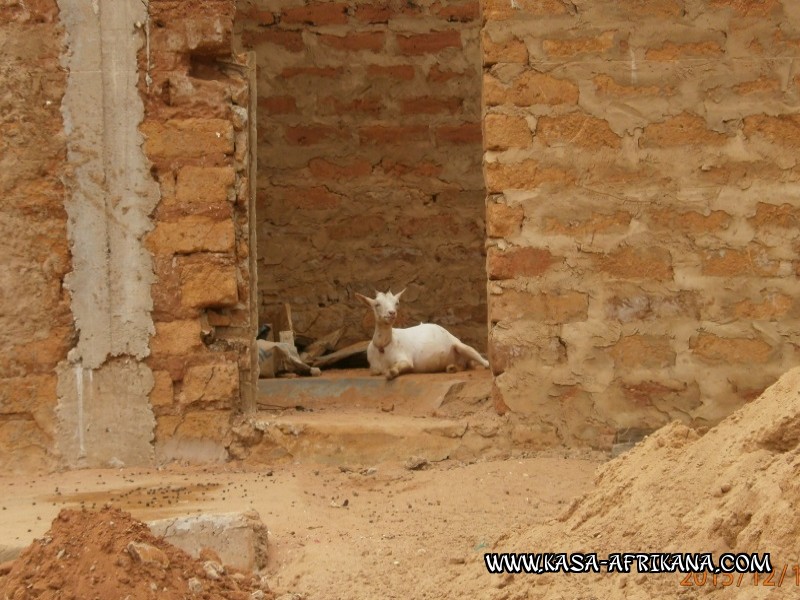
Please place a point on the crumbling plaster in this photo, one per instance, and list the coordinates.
(104, 411)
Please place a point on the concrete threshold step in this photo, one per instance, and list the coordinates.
(355, 437)
(414, 394)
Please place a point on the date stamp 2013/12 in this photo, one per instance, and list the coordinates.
(788, 575)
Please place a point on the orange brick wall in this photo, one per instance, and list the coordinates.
(36, 329)
(196, 136)
(641, 163)
(369, 160)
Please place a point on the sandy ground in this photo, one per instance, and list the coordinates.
(382, 532)
(391, 532)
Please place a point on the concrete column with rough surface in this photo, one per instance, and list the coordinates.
(104, 411)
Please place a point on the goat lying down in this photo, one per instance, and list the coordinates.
(424, 348)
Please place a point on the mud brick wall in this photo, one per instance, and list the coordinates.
(196, 136)
(35, 322)
(369, 159)
(642, 164)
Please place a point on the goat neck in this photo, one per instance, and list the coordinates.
(383, 334)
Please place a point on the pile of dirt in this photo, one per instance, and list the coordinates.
(89, 555)
(734, 489)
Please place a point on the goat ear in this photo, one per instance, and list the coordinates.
(368, 301)
(400, 293)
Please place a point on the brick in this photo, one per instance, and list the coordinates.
(784, 216)
(372, 13)
(313, 198)
(530, 88)
(325, 169)
(420, 169)
(653, 8)
(502, 10)
(577, 129)
(356, 41)
(761, 85)
(772, 307)
(187, 138)
(31, 394)
(317, 13)
(503, 220)
(607, 86)
(40, 353)
(691, 221)
(438, 75)
(645, 351)
(290, 40)
(216, 383)
(356, 228)
(649, 262)
(31, 11)
(323, 72)
(715, 349)
(670, 51)
(506, 131)
(278, 105)
(253, 15)
(204, 185)
(462, 12)
(162, 392)
(429, 105)
(207, 33)
(401, 72)
(550, 308)
(512, 50)
(167, 293)
(748, 8)
(562, 48)
(466, 133)
(193, 233)
(632, 304)
(683, 397)
(783, 130)
(525, 175)
(577, 226)
(428, 43)
(309, 135)
(176, 337)
(431, 225)
(207, 283)
(682, 130)
(366, 105)
(204, 425)
(518, 262)
(738, 262)
(393, 134)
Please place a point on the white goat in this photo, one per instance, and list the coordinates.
(425, 348)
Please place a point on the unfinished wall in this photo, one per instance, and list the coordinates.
(369, 160)
(35, 322)
(127, 312)
(641, 159)
(197, 134)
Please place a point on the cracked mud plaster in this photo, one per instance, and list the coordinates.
(110, 196)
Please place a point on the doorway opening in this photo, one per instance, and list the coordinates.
(369, 163)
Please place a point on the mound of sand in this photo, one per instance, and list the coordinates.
(108, 554)
(734, 489)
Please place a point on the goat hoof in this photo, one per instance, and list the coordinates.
(451, 369)
(391, 374)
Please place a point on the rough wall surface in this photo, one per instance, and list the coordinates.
(35, 322)
(642, 164)
(369, 160)
(196, 131)
(104, 415)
